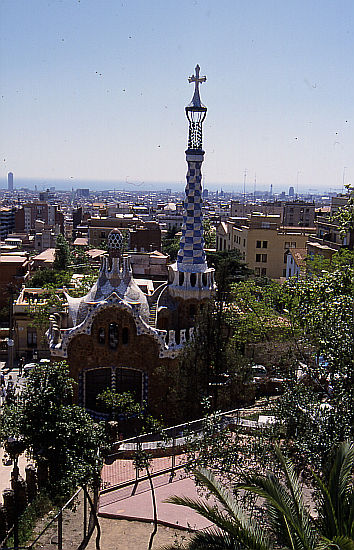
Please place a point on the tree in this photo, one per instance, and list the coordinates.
(345, 215)
(317, 410)
(285, 521)
(170, 243)
(50, 278)
(124, 404)
(62, 253)
(53, 430)
(209, 234)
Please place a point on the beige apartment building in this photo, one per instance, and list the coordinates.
(262, 242)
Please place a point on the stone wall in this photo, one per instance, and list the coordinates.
(89, 351)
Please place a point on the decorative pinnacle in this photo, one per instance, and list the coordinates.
(196, 102)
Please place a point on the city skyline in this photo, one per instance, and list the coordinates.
(95, 91)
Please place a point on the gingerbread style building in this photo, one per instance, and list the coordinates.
(122, 337)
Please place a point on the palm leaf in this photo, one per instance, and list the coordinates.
(238, 527)
(339, 490)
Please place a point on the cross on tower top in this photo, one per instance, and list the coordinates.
(198, 80)
(196, 102)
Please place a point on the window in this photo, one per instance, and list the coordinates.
(125, 336)
(31, 337)
(113, 336)
(101, 336)
(257, 271)
(263, 271)
(285, 257)
(181, 278)
(193, 279)
(244, 242)
(258, 244)
(258, 257)
(103, 235)
(264, 258)
(284, 272)
(265, 244)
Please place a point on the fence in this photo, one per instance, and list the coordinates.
(80, 505)
(167, 447)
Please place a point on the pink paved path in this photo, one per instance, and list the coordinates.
(122, 504)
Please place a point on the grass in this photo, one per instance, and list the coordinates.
(40, 506)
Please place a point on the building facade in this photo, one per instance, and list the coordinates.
(126, 334)
(262, 242)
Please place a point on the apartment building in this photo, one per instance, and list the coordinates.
(50, 214)
(328, 239)
(7, 221)
(239, 209)
(262, 242)
(299, 214)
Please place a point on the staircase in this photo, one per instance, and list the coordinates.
(153, 305)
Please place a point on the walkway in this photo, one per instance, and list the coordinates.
(134, 502)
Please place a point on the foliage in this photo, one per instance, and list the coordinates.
(170, 243)
(124, 403)
(40, 506)
(50, 278)
(345, 215)
(317, 410)
(229, 268)
(62, 253)
(209, 364)
(285, 521)
(53, 430)
(209, 234)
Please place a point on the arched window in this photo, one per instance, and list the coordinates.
(204, 279)
(125, 335)
(101, 336)
(181, 278)
(193, 279)
(113, 335)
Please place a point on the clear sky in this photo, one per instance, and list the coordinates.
(96, 89)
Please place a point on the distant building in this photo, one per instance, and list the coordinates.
(262, 242)
(82, 192)
(295, 262)
(50, 214)
(14, 270)
(10, 182)
(328, 239)
(291, 192)
(299, 214)
(7, 221)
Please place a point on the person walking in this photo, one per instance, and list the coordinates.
(2, 395)
(2, 379)
(20, 365)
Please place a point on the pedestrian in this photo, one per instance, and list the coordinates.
(2, 395)
(10, 384)
(20, 365)
(2, 379)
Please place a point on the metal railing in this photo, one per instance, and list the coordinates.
(171, 443)
(54, 530)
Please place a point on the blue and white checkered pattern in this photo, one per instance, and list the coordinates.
(191, 255)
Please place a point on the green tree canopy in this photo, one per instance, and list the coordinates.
(62, 253)
(53, 430)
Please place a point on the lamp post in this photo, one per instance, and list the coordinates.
(14, 447)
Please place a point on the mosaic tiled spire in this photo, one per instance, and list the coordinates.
(191, 255)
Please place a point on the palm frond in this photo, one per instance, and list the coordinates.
(287, 512)
(337, 543)
(326, 511)
(340, 488)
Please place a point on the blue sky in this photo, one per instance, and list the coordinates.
(96, 89)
